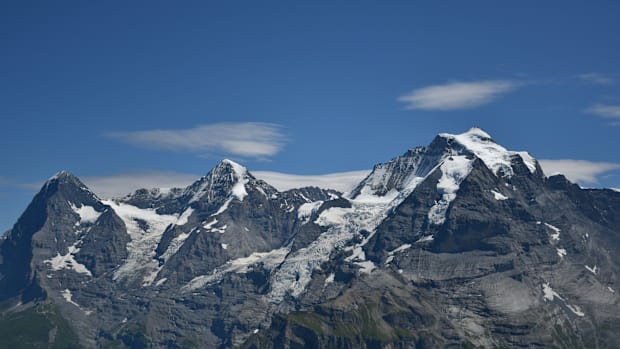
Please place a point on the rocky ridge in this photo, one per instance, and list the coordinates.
(459, 243)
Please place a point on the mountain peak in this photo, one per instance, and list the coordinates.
(62, 176)
(226, 177)
(407, 170)
(64, 181)
(497, 158)
(239, 170)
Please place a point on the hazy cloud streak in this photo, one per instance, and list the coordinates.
(596, 79)
(605, 111)
(457, 95)
(245, 139)
(123, 184)
(341, 181)
(580, 171)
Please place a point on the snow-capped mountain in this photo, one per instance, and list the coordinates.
(459, 243)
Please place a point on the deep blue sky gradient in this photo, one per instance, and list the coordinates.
(329, 72)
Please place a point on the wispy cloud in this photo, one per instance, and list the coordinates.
(341, 181)
(596, 79)
(244, 139)
(579, 171)
(606, 111)
(457, 95)
(122, 184)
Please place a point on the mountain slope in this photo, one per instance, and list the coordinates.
(459, 243)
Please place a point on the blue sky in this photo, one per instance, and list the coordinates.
(158, 92)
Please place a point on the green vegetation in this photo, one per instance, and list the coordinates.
(131, 337)
(364, 324)
(40, 326)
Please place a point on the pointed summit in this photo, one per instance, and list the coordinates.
(69, 186)
(63, 176)
(227, 177)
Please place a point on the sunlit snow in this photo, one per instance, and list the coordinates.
(576, 310)
(549, 293)
(593, 269)
(556, 235)
(453, 170)
(305, 211)
(499, 196)
(141, 248)
(68, 261)
(494, 156)
(87, 214)
(268, 260)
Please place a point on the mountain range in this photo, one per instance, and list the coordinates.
(461, 243)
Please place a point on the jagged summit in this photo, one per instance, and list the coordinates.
(227, 177)
(461, 239)
(64, 177)
(69, 186)
(409, 169)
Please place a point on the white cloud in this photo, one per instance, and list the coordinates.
(596, 78)
(457, 95)
(245, 139)
(123, 184)
(341, 181)
(580, 171)
(605, 111)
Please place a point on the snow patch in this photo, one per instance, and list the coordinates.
(427, 238)
(611, 289)
(305, 211)
(185, 216)
(87, 214)
(175, 245)
(576, 310)
(68, 261)
(66, 294)
(141, 248)
(499, 196)
(562, 252)
(212, 228)
(549, 293)
(401, 248)
(223, 208)
(332, 216)
(161, 281)
(241, 176)
(593, 270)
(268, 260)
(366, 267)
(453, 170)
(224, 246)
(556, 235)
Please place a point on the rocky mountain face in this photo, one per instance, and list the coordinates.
(461, 243)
